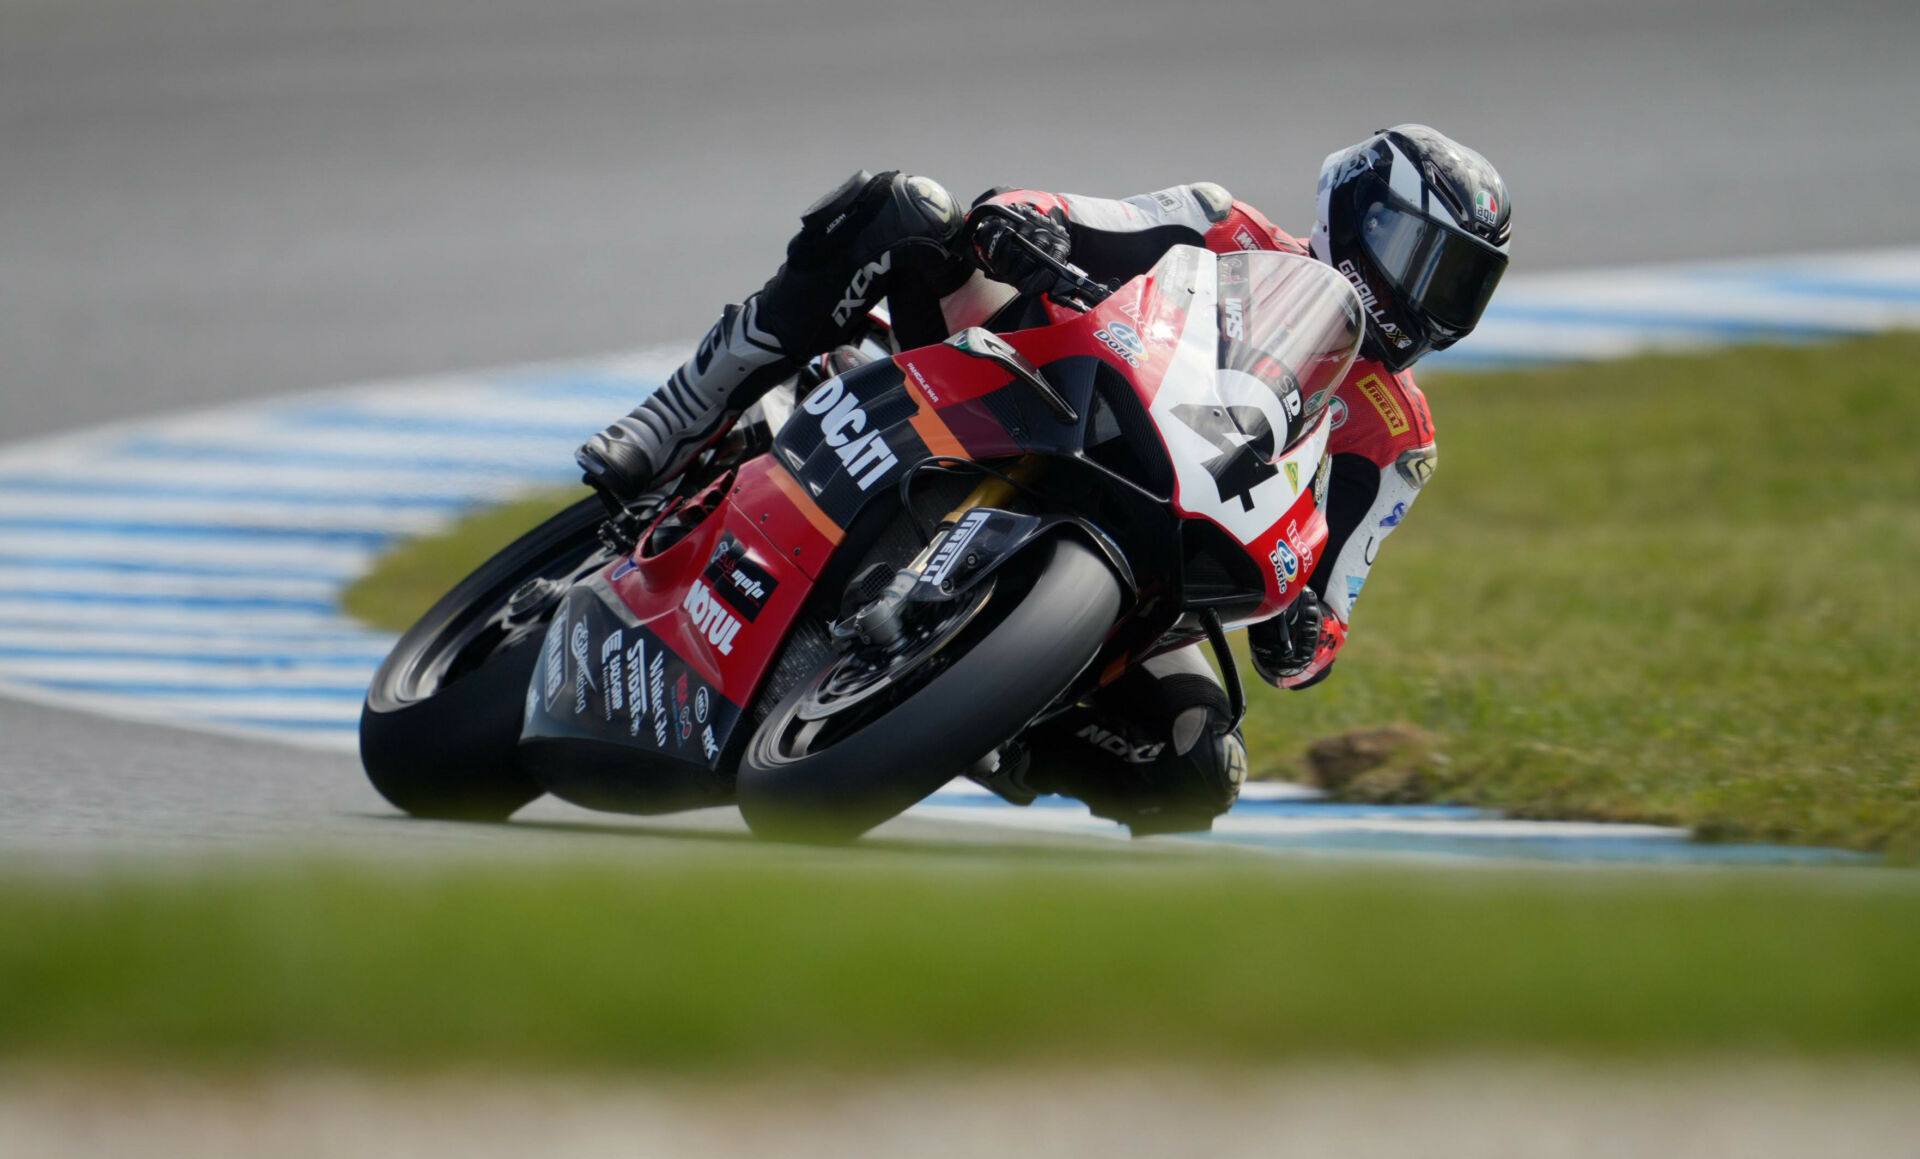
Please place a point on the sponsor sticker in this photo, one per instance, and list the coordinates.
(636, 666)
(610, 675)
(702, 702)
(682, 711)
(1392, 518)
(710, 617)
(843, 425)
(1243, 237)
(1123, 340)
(1382, 400)
(707, 744)
(1338, 409)
(554, 659)
(657, 688)
(1321, 479)
(624, 568)
(1293, 475)
(733, 575)
(926, 388)
(948, 553)
(1485, 207)
(577, 642)
(1233, 311)
(1286, 565)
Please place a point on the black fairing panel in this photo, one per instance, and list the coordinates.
(616, 721)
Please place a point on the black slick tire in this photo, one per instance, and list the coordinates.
(1023, 661)
(447, 749)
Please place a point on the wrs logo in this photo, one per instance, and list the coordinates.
(710, 617)
(867, 456)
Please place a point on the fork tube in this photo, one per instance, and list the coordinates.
(992, 492)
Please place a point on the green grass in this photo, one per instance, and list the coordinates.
(1674, 589)
(823, 962)
(408, 580)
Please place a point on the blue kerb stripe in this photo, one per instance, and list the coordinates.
(1585, 848)
(341, 634)
(531, 467)
(154, 568)
(1671, 322)
(1819, 286)
(359, 420)
(342, 692)
(1312, 810)
(285, 724)
(366, 660)
(135, 492)
(147, 600)
(581, 384)
(181, 530)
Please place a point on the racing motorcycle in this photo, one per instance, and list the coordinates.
(890, 569)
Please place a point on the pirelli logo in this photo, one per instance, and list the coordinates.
(1383, 401)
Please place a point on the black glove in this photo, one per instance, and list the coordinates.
(997, 252)
(1284, 646)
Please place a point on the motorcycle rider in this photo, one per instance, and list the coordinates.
(1418, 223)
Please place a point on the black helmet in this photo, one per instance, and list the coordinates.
(1419, 224)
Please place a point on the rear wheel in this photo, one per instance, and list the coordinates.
(441, 726)
(839, 755)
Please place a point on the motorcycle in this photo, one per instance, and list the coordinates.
(888, 571)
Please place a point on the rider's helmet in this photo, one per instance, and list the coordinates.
(1419, 224)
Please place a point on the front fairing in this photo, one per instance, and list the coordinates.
(1249, 458)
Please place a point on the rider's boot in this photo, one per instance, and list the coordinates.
(837, 266)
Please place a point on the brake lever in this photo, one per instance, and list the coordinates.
(1083, 291)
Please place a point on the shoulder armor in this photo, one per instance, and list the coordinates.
(1216, 201)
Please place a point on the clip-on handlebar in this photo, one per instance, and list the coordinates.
(1076, 290)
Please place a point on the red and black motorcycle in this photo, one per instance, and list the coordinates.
(887, 573)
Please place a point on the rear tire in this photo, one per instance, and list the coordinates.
(983, 699)
(440, 730)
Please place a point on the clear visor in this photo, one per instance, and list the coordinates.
(1438, 270)
(1290, 326)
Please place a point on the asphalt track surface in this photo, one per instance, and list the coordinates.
(203, 201)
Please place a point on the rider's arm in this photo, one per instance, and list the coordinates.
(1383, 453)
(1115, 240)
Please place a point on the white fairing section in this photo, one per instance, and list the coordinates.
(1350, 569)
(1194, 379)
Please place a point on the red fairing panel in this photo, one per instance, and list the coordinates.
(723, 597)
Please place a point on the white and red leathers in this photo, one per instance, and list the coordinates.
(1382, 442)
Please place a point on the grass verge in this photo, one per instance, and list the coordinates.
(825, 963)
(1673, 589)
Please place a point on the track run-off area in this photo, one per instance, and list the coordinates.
(187, 570)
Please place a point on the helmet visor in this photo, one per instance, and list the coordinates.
(1447, 274)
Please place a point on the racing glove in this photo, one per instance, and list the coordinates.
(1284, 646)
(1001, 257)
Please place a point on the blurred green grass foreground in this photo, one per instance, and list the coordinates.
(1669, 589)
(867, 961)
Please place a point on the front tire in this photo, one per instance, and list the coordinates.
(440, 729)
(1011, 672)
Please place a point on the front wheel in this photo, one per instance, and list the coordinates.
(800, 780)
(440, 729)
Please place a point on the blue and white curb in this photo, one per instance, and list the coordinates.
(187, 570)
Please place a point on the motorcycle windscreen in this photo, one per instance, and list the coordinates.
(1290, 327)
